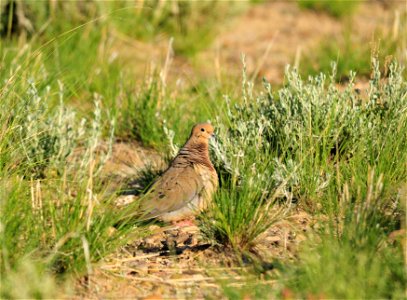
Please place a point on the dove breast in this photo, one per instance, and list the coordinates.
(187, 186)
(181, 192)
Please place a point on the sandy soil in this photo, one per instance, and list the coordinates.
(181, 263)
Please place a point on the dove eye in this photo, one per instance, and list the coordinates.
(202, 129)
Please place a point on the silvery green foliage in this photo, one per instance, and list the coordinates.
(386, 101)
(170, 136)
(45, 139)
(48, 137)
(305, 127)
(285, 173)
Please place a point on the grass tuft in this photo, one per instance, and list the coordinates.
(336, 8)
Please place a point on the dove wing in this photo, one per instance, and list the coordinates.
(172, 191)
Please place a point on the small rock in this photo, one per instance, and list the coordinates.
(124, 200)
(272, 239)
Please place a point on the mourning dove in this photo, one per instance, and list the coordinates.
(187, 186)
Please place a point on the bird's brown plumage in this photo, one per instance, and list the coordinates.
(186, 187)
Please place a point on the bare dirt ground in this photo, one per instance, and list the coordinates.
(276, 34)
(181, 263)
(271, 36)
(175, 263)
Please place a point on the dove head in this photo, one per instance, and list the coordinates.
(201, 133)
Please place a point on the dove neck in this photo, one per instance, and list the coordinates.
(196, 148)
(196, 153)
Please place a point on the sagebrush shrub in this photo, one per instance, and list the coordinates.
(304, 142)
